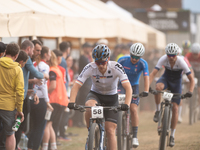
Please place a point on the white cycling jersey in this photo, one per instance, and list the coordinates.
(103, 84)
(175, 72)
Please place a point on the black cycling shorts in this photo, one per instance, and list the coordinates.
(106, 100)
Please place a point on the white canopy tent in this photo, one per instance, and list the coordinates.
(68, 18)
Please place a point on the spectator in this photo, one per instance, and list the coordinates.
(65, 49)
(124, 51)
(22, 58)
(102, 41)
(28, 47)
(37, 49)
(38, 111)
(2, 49)
(12, 92)
(65, 117)
(58, 99)
(116, 52)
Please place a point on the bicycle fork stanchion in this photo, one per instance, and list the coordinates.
(102, 137)
(159, 120)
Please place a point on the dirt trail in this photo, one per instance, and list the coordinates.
(187, 137)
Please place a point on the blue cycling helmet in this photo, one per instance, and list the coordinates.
(101, 52)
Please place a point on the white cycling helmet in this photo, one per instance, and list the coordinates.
(137, 49)
(195, 48)
(172, 49)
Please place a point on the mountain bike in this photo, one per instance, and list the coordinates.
(96, 133)
(124, 131)
(165, 115)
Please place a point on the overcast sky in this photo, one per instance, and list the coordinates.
(193, 5)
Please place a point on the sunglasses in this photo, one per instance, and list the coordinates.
(100, 63)
(135, 57)
(168, 55)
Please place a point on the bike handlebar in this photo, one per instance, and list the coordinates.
(82, 108)
(133, 95)
(175, 95)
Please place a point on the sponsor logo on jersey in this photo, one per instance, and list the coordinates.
(109, 76)
(120, 68)
(127, 68)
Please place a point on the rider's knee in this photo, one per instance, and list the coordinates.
(133, 109)
(110, 131)
(90, 103)
(159, 87)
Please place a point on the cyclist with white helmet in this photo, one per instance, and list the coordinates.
(171, 79)
(134, 65)
(194, 59)
(105, 75)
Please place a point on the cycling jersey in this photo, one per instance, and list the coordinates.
(195, 62)
(172, 76)
(134, 71)
(103, 84)
(175, 72)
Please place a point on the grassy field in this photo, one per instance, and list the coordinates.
(187, 137)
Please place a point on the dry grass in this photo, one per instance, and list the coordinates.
(187, 136)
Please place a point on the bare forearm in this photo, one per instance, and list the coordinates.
(74, 92)
(146, 83)
(127, 87)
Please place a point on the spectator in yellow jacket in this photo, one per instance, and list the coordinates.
(11, 92)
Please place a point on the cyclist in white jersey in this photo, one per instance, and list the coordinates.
(105, 75)
(171, 79)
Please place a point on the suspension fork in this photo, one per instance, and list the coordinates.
(101, 124)
(160, 117)
(127, 122)
(170, 117)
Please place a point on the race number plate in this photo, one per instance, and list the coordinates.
(121, 98)
(97, 112)
(167, 96)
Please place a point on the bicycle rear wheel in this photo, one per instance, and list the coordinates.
(94, 137)
(163, 135)
(121, 129)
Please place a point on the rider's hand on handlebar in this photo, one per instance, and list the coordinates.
(188, 94)
(72, 105)
(144, 94)
(124, 107)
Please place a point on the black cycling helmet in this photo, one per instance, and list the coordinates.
(101, 52)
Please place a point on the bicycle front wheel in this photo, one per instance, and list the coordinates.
(94, 137)
(163, 135)
(121, 129)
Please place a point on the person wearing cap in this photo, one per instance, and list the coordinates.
(103, 41)
(2, 49)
